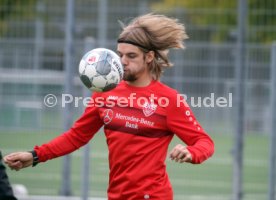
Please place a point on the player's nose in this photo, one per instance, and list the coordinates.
(124, 61)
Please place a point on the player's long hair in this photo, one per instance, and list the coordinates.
(158, 33)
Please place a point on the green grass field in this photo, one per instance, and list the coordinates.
(211, 180)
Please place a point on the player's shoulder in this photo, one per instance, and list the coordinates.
(165, 90)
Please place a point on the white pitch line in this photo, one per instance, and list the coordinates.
(56, 198)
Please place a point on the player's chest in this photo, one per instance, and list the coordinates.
(136, 115)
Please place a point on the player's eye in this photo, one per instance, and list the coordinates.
(132, 55)
(119, 54)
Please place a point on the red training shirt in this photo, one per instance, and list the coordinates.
(139, 123)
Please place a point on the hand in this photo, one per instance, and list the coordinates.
(19, 160)
(181, 154)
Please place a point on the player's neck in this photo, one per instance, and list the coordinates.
(142, 81)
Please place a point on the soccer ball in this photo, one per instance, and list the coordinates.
(101, 70)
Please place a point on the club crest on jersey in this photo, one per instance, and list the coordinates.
(149, 108)
(108, 116)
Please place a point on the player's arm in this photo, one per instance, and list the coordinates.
(80, 133)
(182, 122)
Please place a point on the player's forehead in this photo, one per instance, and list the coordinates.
(124, 48)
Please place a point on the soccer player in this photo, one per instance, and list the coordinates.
(6, 192)
(138, 134)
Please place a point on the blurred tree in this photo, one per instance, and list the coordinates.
(262, 19)
(221, 15)
(12, 10)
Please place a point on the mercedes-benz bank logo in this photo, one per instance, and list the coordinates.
(108, 116)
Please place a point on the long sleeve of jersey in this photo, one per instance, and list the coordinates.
(183, 123)
(78, 135)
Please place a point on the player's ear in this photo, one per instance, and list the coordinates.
(149, 56)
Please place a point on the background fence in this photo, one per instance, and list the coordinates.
(32, 40)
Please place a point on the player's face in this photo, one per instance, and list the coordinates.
(133, 60)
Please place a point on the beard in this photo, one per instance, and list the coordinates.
(133, 75)
(129, 77)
